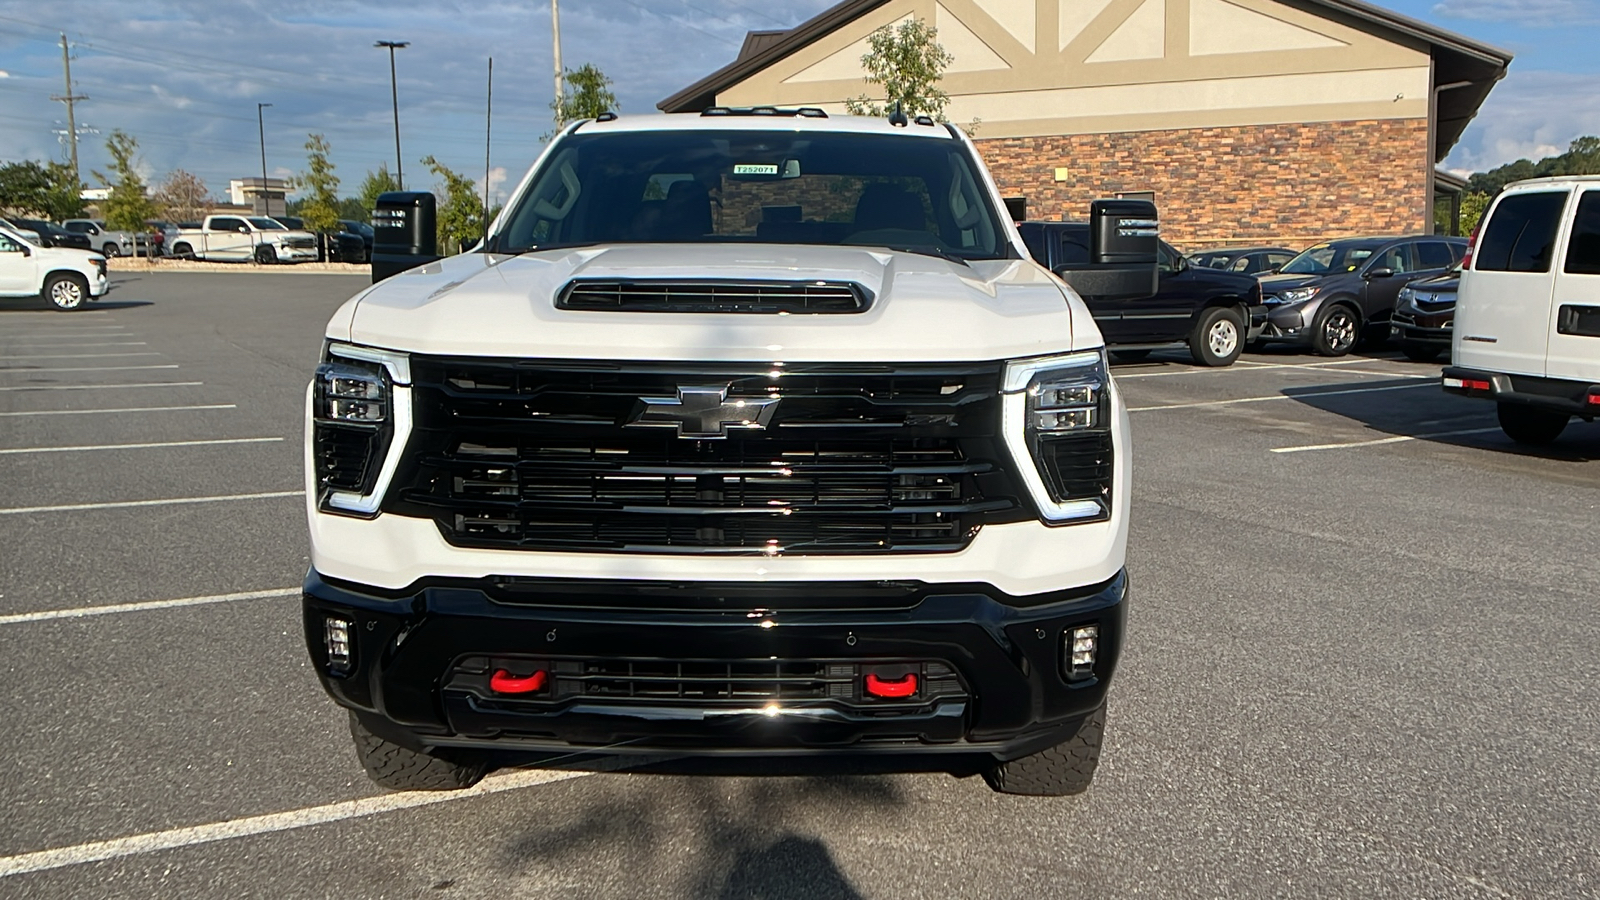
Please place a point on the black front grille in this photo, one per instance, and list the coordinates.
(542, 456)
(1438, 303)
(709, 683)
(715, 296)
(1080, 466)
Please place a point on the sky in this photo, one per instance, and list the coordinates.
(184, 77)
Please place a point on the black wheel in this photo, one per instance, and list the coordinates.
(181, 250)
(110, 251)
(265, 255)
(401, 769)
(1057, 771)
(1421, 352)
(66, 291)
(1531, 425)
(1335, 330)
(1129, 355)
(1218, 337)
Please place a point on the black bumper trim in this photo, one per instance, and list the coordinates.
(1555, 394)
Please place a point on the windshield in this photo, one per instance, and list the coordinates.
(1331, 258)
(268, 224)
(916, 194)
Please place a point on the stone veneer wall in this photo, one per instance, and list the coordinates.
(1289, 185)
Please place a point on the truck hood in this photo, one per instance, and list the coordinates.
(925, 308)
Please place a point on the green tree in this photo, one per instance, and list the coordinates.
(460, 209)
(129, 205)
(375, 183)
(906, 63)
(1582, 158)
(48, 191)
(587, 95)
(320, 205)
(1473, 206)
(63, 198)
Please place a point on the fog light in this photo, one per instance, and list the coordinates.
(1082, 643)
(337, 634)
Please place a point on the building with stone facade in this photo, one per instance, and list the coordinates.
(1247, 121)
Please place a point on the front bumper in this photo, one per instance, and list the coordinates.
(420, 658)
(297, 254)
(1421, 328)
(1286, 325)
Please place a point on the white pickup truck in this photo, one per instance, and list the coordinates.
(109, 242)
(66, 277)
(258, 238)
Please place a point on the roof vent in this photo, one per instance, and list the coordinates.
(714, 296)
(804, 112)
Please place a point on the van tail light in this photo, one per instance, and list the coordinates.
(1472, 244)
(1594, 400)
(1467, 384)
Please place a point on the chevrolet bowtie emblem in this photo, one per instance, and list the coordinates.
(705, 411)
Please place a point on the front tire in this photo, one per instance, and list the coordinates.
(265, 255)
(1531, 425)
(66, 291)
(110, 251)
(1335, 330)
(402, 769)
(1058, 771)
(1218, 337)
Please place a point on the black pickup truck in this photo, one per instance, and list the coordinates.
(1215, 313)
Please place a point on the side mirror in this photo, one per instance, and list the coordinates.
(405, 232)
(1380, 272)
(1123, 252)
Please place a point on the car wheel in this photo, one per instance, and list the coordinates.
(1531, 425)
(1129, 355)
(1335, 330)
(1057, 771)
(110, 251)
(402, 769)
(182, 251)
(1218, 338)
(265, 255)
(66, 291)
(1421, 352)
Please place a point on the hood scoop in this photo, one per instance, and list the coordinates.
(714, 296)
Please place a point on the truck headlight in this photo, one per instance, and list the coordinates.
(1058, 428)
(360, 409)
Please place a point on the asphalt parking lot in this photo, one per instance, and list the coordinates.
(1361, 658)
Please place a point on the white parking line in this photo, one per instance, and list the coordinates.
(79, 612)
(125, 409)
(54, 315)
(1301, 396)
(175, 838)
(86, 447)
(23, 370)
(76, 346)
(1388, 440)
(125, 504)
(85, 331)
(1248, 367)
(82, 355)
(98, 387)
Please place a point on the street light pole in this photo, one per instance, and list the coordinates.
(261, 125)
(394, 92)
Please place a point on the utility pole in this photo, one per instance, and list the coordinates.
(488, 126)
(394, 92)
(68, 99)
(555, 31)
(266, 198)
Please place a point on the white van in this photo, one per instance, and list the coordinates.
(1527, 321)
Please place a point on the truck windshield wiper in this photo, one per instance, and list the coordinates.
(928, 250)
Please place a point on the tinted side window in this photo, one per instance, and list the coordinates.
(1522, 234)
(1397, 258)
(1434, 255)
(1074, 249)
(226, 224)
(1583, 248)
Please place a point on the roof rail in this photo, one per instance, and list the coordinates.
(607, 116)
(804, 112)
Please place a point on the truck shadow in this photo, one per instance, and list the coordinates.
(1413, 409)
(724, 837)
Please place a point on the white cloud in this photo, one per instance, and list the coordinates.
(1535, 13)
(1529, 115)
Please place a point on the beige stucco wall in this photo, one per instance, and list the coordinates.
(1059, 67)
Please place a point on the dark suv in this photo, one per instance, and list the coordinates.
(1331, 294)
(1212, 311)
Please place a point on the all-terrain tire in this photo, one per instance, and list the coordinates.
(266, 255)
(1218, 337)
(401, 769)
(181, 250)
(1057, 771)
(1531, 425)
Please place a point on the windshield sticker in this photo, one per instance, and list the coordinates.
(755, 169)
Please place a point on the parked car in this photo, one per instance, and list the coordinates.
(107, 242)
(66, 277)
(366, 233)
(1422, 316)
(339, 245)
(53, 235)
(1244, 260)
(28, 234)
(1527, 320)
(260, 238)
(1215, 313)
(1336, 292)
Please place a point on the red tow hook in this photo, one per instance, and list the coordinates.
(905, 687)
(503, 682)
